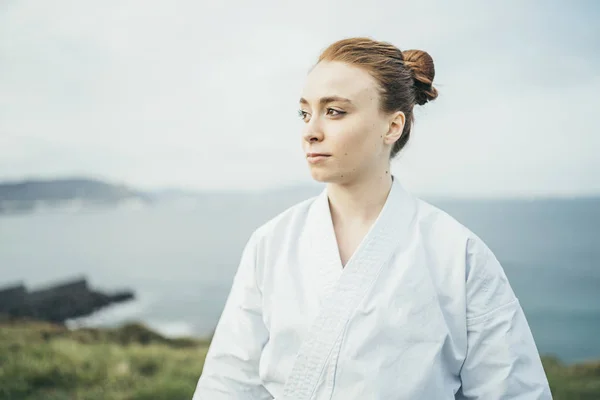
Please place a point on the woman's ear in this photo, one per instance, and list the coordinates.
(396, 127)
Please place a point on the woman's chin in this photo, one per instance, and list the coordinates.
(326, 176)
(320, 175)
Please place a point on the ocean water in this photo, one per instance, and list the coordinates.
(180, 259)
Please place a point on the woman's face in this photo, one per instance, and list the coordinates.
(345, 137)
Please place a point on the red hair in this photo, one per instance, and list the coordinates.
(405, 77)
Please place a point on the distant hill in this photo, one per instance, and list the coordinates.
(29, 195)
(83, 193)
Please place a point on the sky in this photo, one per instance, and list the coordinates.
(204, 95)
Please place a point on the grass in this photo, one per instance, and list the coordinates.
(573, 382)
(44, 361)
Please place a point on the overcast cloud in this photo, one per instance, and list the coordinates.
(203, 95)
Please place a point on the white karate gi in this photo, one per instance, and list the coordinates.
(422, 310)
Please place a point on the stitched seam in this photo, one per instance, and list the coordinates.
(484, 317)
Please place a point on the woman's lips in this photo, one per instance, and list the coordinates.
(314, 158)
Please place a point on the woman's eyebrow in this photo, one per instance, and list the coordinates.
(329, 99)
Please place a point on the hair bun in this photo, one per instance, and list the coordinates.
(421, 65)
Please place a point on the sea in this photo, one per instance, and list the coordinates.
(180, 257)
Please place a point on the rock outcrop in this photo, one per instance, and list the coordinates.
(57, 303)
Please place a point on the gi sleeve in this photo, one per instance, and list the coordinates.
(502, 360)
(231, 368)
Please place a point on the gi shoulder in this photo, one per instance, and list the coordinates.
(448, 233)
(436, 224)
(486, 284)
(286, 221)
(269, 238)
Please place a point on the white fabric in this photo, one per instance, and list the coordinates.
(422, 310)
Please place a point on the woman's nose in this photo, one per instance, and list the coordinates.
(313, 133)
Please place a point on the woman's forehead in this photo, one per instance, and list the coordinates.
(339, 79)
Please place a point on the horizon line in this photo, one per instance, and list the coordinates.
(547, 195)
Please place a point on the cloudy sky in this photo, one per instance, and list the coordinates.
(203, 94)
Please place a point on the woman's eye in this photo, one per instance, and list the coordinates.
(330, 111)
(337, 112)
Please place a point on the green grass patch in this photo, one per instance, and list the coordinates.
(49, 362)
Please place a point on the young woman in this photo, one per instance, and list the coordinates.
(365, 291)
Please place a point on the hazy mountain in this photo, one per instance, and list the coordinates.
(30, 195)
(81, 193)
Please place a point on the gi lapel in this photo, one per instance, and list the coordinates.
(386, 235)
(323, 249)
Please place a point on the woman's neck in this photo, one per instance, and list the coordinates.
(360, 201)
